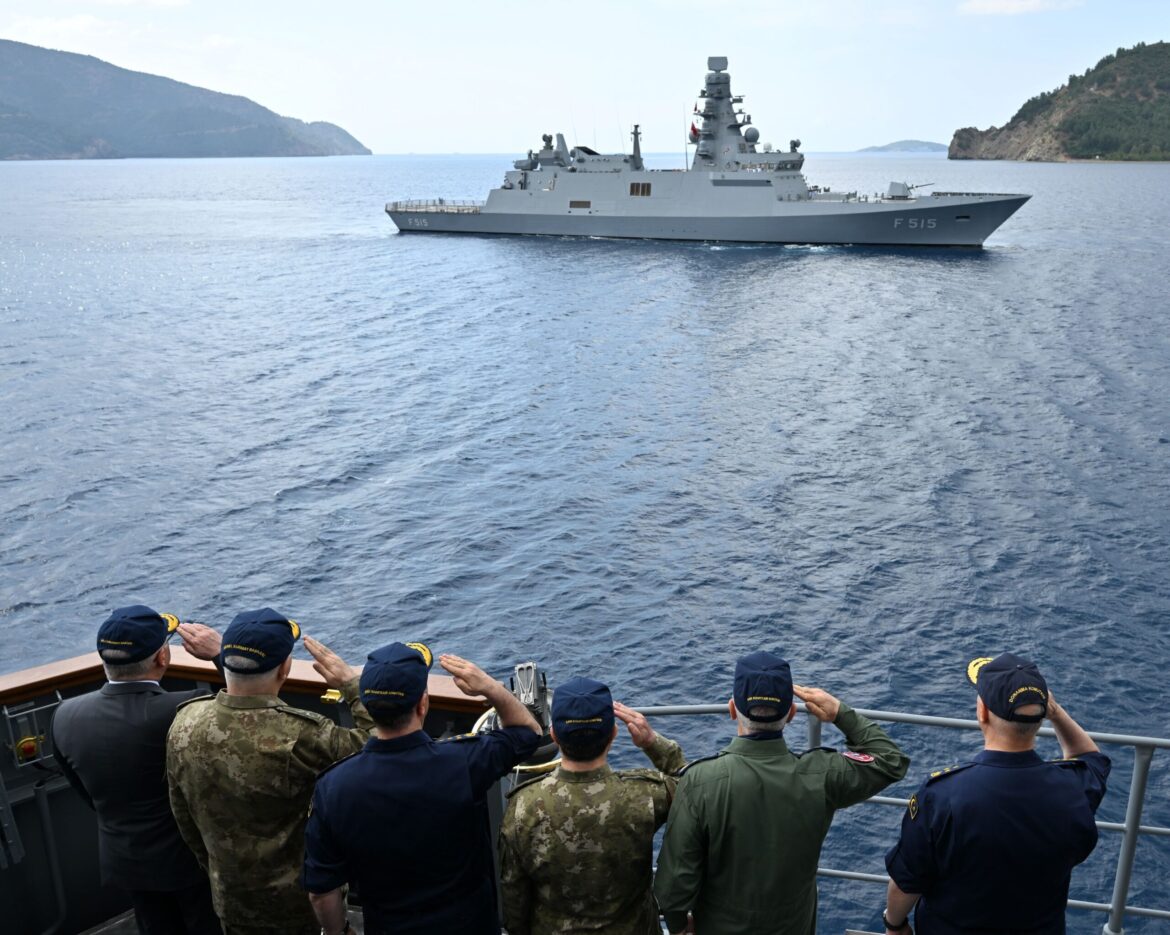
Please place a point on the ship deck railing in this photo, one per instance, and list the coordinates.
(435, 206)
(1131, 829)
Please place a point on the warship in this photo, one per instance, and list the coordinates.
(735, 190)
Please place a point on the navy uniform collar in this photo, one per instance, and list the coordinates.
(397, 744)
(1009, 760)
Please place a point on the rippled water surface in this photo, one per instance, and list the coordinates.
(229, 384)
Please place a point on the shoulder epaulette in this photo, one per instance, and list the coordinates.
(702, 759)
(302, 713)
(1068, 761)
(948, 771)
(337, 763)
(183, 704)
(459, 738)
(531, 780)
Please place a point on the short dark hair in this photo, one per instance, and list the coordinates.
(584, 745)
(391, 717)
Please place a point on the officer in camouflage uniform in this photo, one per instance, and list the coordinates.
(241, 768)
(576, 845)
(744, 836)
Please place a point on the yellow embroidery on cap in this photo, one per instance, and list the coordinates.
(423, 650)
(975, 665)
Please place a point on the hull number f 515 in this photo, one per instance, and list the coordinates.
(917, 223)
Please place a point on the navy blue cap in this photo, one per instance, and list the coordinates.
(264, 637)
(130, 634)
(582, 704)
(396, 675)
(763, 678)
(1008, 683)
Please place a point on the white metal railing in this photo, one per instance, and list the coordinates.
(1131, 829)
(436, 206)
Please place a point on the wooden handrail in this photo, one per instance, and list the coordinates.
(81, 670)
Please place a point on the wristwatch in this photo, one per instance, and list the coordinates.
(904, 924)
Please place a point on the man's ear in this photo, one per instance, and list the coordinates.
(423, 706)
(285, 667)
(791, 713)
(731, 709)
(163, 656)
(982, 715)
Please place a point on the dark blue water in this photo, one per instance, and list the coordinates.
(229, 384)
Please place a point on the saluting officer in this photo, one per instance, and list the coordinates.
(576, 846)
(241, 769)
(990, 845)
(112, 747)
(746, 828)
(406, 819)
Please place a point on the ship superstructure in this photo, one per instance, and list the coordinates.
(735, 190)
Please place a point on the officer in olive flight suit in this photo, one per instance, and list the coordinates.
(990, 845)
(576, 846)
(241, 768)
(745, 831)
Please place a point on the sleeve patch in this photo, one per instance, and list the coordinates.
(913, 806)
(857, 757)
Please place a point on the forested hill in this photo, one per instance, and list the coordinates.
(1119, 109)
(58, 105)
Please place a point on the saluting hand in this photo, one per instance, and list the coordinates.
(330, 666)
(820, 704)
(200, 641)
(641, 733)
(469, 678)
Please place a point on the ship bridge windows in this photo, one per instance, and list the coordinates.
(640, 189)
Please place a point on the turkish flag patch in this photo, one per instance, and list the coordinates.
(859, 757)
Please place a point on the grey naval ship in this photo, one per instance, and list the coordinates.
(735, 190)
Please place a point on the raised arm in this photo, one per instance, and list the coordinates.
(1072, 737)
(472, 680)
(878, 760)
(666, 755)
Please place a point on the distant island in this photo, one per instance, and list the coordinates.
(58, 105)
(907, 146)
(1120, 109)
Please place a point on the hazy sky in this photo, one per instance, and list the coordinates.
(462, 76)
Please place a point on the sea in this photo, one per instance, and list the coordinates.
(231, 384)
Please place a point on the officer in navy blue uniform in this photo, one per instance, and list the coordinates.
(406, 818)
(989, 846)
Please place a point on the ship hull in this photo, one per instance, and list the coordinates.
(937, 221)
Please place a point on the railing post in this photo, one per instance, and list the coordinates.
(814, 731)
(1133, 819)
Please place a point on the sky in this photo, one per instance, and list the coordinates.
(482, 77)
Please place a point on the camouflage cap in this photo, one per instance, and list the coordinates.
(258, 640)
(130, 634)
